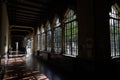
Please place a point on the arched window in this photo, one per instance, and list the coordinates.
(115, 31)
(48, 38)
(57, 37)
(29, 44)
(43, 38)
(38, 38)
(71, 34)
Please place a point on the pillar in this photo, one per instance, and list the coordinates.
(85, 29)
(45, 38)
(9, 37)
(52, 39)
(63, 39)
(102, 31)
(33, 41)
(4, 27)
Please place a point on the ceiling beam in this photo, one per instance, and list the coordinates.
(28, 3)
(26, 27)
(20, 30)
(24, 17)
(17, 36)
(30, 8)
(27, 15)
(19, 33)
(29, 12)
(22, 7)
(23, 24)
(26, 12)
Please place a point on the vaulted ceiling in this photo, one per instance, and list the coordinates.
(31, 13)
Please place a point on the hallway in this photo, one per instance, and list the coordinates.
(22, 67)
(59, 39)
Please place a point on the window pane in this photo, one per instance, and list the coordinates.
(43, 38)
(43, 41)
(58, 37)
(114, 32)
(48, 38)
(71, 34)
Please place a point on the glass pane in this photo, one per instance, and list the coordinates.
(114, 32)
(43, 38)
(49, 41)
(71, 34)
(57, 37)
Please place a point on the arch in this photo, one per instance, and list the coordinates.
(55, 19)
(57, 22)
(71, 33)
(57, 36)
(42, 28)
(70, 15)
(67, 12)
(48, 25)
(38, 30)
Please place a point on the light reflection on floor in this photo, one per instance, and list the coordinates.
(17, 70)
(27, 67)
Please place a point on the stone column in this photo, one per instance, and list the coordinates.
(45, 39)
(102, 31)
(52, 39)
(63, 39)
(9, 37)
(85, 18)
(40, 40)
(4, 27)
(34, 42)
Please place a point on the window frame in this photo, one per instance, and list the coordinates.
(71, 18)
(114, 23)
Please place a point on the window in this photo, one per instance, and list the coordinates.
(114, 31)
(71, 34)
(57, 37)
(43, 38)
(38, 39)
(29, 45)
(49, 38)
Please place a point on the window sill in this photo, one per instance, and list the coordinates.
(69, 55)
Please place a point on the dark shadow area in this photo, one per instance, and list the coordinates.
(72, 68)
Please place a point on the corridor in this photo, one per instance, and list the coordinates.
(58, 39)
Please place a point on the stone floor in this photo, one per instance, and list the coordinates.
(27, 67)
